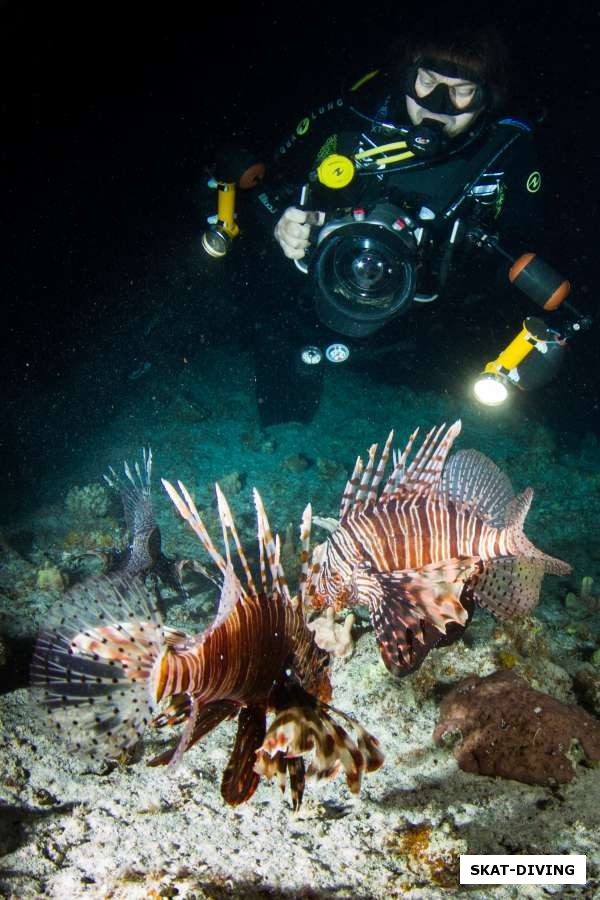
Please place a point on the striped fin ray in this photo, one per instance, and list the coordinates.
(299, 730)
(263, 567)
(365, 480)
(424, 473)
(358, 492)
(312, 580)
(228, 523)
(272, 549)
(144, 474)
(187, 510)
(201, 719)
(351, 486)
(373, 490)
(305, 529)
(399, 465)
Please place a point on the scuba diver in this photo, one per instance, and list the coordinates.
(389, 197)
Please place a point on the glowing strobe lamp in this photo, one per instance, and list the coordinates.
(490, 388)
(517, 365)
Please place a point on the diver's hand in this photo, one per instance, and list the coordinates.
(292, 232)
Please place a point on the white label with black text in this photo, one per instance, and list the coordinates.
(522, 869)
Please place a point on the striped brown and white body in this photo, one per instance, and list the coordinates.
(106, 667)
(426, 545)
(253, 645)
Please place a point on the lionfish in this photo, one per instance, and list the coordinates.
(107, 667)
(144, 553)
(437, 538)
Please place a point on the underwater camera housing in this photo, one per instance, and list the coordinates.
(364, 269)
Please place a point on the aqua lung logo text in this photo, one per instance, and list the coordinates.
(267, 203)
(303, 125)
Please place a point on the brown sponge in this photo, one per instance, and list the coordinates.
(507, 728)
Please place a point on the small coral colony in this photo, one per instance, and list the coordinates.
(420, 548)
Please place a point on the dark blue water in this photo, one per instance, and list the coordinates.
(110, 124)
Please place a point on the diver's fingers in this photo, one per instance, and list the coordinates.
(293, 214)
(292, 231)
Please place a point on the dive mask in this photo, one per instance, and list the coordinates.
(439, 99)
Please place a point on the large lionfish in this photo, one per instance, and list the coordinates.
(107, 667)
(438, 537)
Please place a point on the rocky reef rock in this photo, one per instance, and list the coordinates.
(506, 728)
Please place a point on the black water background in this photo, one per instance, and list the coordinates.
(110, 118)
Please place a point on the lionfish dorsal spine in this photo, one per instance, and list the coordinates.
(418, 466)
(228, 523)
(374, 487)
(271, 549)
(187, 510)
(365, 481)
(143, 473)
(231, 592)
(422, 477)
(310, 588)
(351, 486)
(305, 529)
(399, 465)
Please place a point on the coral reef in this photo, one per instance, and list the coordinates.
(431, 854)
(232, 483)
(507, 728)
(585, 601)
(50, 578)
(335, 639)
(88, 502)
(296, 462)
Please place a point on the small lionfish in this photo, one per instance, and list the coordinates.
(438, 537)
(107, 666)
(144, 554)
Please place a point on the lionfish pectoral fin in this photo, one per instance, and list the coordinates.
(509, 586)
(415, 610)
(240, 780)
(95, 664)
(300, 730)
(201, 718)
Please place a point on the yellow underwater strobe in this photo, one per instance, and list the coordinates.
(223, 227)
(517, 364)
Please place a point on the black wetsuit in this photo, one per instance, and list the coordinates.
(487, 178)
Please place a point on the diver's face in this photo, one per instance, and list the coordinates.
(460, 92)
